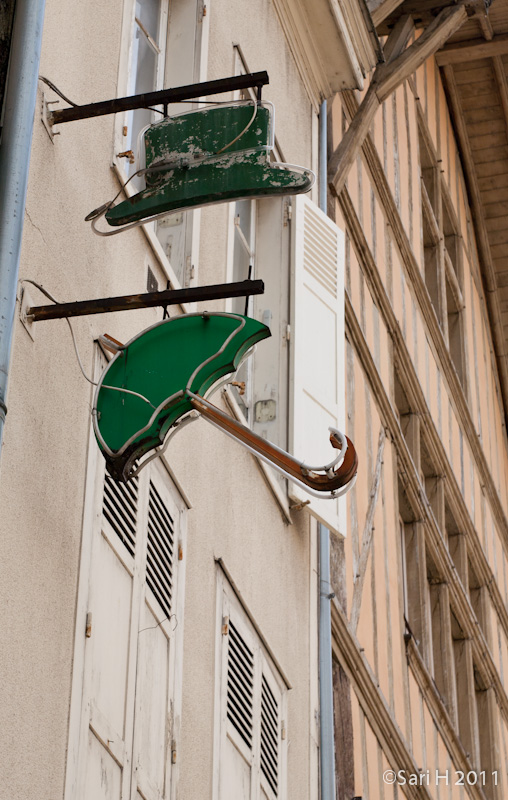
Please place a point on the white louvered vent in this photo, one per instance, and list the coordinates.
(269, 736)
(240, 685)
(120, 506)
(320, 251)
(159, 559)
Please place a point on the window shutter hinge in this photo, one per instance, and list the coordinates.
(88, 626)
(283, 730)
(287, 212)
(225, 626)
(288, 333)
(173, 752)
(180, 551)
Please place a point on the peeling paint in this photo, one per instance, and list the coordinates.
(209, 156)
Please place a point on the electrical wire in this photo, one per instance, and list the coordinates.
(56, 90)
(94, 383)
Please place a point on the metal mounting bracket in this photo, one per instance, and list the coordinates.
(162, 98)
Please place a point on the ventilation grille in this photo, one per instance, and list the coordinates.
(159, 559)
(320, 251)
(240, 685)
(269, 736)
(120, 505)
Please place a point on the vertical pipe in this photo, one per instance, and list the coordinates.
(327, 743)
(15, 147)
(327, 748)
(323, 158)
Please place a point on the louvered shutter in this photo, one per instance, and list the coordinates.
(159, 620)
(132, 663)
(317, 396)
(240, 685)
(252, 753)
(113, 617)
(270, 735)
(120, 505)
(160, 549)
(239, 692)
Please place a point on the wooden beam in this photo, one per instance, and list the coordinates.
(386, 79)
(381, 9)
(399, 38)
(471, 51)
(167, 297)
(367, 534)
(487, 266)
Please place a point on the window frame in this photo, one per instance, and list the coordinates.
(201, 34)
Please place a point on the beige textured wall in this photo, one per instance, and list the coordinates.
(234, 514)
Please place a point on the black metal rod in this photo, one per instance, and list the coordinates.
(165, 96)
(169, 297)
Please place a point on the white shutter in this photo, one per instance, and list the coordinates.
(270, 734)
(130, 710)
(238, 710)
(252, 753)
(152, 751)
(106, 745)
(317, 396)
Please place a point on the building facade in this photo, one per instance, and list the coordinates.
(161, 636)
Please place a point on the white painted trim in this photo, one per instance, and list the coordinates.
(90, 514)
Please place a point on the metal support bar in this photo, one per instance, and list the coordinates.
(168, 297)
(164, 97)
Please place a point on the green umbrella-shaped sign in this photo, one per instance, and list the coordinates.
(159, 380)
(142, 392)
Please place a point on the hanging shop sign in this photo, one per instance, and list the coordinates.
(159, 381)
(212, 155)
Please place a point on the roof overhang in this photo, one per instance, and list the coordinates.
(334, 43)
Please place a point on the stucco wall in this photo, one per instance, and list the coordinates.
(234, 514)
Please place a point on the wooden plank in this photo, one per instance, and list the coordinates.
(475, 89)
(399, 38)
(492, 183)
(481, 101)
(473, 74)
(489, 126)
(496, 223)
(491, 155)
(498, 237)
(380, 9)
(470, 51)
(489, 140)
(386, 79)
(389, 76)
(498, 208)
(468, 65)
(477, 115)
(499, 251)
(491, 168)
(367, 534)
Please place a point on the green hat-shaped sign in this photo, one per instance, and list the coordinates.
(142, 393)
(211, 155)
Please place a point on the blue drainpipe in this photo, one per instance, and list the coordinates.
(15, 146)
(327, 742)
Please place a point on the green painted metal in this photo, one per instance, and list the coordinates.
(196, 162)
(193, 352)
